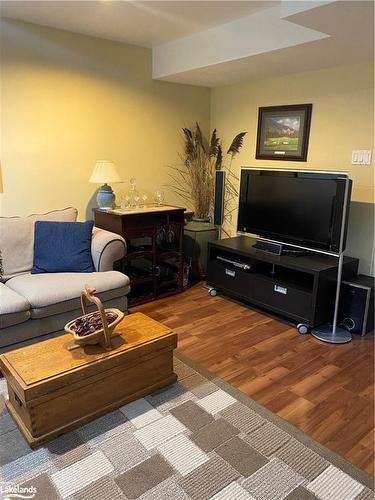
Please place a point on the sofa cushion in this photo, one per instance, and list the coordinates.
(61, 247)
(50, 294)
(14, 308)
(42, 328)
(17, 239)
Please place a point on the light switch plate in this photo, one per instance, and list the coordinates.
(361, 157)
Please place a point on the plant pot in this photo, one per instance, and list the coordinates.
(197, 235)
(204, 219)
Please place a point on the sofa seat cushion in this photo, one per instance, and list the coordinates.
(14, 308)
(52, 293)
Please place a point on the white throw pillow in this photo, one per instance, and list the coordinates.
(17, 239)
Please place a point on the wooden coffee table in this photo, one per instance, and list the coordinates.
(53, 390)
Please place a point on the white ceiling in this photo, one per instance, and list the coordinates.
(215, 43)
(329, 34)
(147, 24)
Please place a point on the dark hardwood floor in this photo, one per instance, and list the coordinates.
(325, 390)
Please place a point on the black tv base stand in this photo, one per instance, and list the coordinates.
(301, 289)
(278, 248)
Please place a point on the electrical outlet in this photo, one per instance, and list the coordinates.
(367, 157)
(361, 157)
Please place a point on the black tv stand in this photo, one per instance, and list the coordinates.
(300, 289)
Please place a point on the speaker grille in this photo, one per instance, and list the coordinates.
(219, 197)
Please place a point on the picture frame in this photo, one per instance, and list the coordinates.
(283, 132)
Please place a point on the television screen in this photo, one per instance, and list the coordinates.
(300, 208)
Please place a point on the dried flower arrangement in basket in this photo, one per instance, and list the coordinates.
(97, 327)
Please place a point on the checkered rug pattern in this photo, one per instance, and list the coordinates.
(191, 440)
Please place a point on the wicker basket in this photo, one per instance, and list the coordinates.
(103, 335)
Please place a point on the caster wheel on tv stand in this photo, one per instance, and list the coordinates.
(303, 329)
(212, 292)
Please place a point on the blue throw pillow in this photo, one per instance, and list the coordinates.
(62, 247)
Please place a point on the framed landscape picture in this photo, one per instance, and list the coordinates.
(283, 132)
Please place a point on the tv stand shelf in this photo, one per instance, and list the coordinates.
(301, 288)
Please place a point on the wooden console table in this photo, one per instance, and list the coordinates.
(155, 267)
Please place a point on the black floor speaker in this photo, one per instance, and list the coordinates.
(219, 197)
(356, 306)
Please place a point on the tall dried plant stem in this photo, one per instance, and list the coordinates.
(194, 180)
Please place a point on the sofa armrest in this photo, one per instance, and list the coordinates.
(106, 249)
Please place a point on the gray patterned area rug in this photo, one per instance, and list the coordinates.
(197, 439)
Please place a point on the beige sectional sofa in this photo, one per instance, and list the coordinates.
(35, 305)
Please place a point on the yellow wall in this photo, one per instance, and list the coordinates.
(342, 120)
(68, 100)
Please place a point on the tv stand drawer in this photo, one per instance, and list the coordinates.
(282, 297)
(229, 278)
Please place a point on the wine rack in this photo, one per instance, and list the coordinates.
(154, 259)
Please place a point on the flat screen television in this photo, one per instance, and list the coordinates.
(299, 208)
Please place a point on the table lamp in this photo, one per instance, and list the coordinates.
(104, 172)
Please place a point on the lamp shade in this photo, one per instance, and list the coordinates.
(104, 172)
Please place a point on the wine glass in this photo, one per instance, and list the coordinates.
(159, 197)
(171, 236)
(144, 199)
(161, 236)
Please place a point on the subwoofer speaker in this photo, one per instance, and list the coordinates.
(356, 306)
(219, 197)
